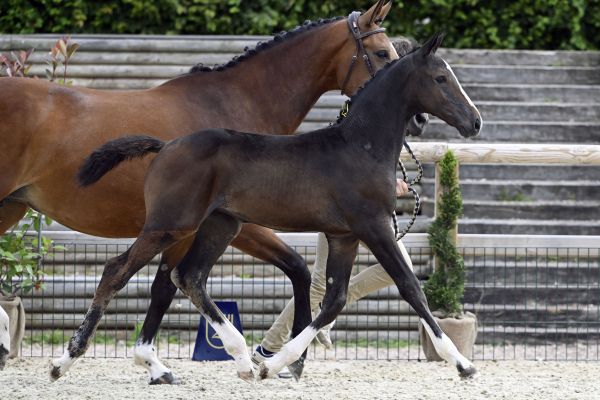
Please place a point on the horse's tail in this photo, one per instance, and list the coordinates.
(112, 153)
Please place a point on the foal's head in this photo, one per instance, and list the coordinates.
(438, 92)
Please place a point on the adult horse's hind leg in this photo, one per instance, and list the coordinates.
(115, 276)
(191, 275)
(162, 294)
(379, 238)
(10, 213)
(342, 251)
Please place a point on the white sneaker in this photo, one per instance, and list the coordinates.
(261, 354)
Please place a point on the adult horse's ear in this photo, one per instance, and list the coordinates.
(432, 44)
(376, 14)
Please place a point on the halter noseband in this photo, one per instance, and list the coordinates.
(358, 38)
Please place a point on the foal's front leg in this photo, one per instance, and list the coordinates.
(379, 238)
(342, 251)
(211, 240)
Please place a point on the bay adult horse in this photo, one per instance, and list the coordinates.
(346, 174)
(46, 130)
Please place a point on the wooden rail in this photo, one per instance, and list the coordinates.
(508, 153)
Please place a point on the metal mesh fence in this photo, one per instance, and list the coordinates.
(531, 303)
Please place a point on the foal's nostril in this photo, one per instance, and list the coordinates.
(421, 119)
(477, 124)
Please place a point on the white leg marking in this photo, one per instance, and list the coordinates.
(144, 355)
(61, 365)
(290, 352)
(235, 345)
(446, 349)
(4, 338)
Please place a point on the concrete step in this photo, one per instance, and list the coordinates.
(521, 57)
(527, 74)
(580, 210)
(539, 269)
(542, 93)
(524, 294)
(529, 226)
(532, 172)
(525, 190)
(538, 315)
(548, 338)
(512, 131)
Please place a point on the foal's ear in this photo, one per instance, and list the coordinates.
(432, 44)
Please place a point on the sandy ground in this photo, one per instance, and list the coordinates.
(120, 379)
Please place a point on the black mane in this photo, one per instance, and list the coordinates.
(261, 46)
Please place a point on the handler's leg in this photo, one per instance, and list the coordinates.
(4, 338)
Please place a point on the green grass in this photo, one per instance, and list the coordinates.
(54, 337)
(504, 195)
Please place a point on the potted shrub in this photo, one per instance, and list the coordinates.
(21, 252)
(445, 287)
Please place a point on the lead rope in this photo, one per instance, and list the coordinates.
(415, 180)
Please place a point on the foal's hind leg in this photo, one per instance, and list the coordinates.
(379, 238)
(162, 294)
(342, 251)
(115, 276)
(212, 238)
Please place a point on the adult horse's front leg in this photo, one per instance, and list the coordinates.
(213, 236)
(342, 251)
(379, 238)
(115, 276)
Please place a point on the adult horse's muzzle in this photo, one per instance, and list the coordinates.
(417, 124)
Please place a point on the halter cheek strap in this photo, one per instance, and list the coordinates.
(360, 48)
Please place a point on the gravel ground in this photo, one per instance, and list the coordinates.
(120, 379)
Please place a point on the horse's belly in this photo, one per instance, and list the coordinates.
(105, 209)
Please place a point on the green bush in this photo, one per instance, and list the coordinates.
(520, 24)
(445, 287)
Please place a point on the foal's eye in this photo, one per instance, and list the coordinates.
(382, 54)
(440, 79)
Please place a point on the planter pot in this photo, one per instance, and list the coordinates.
(462, 331)
(16, 316)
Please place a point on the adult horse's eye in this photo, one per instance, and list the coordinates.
(440, 79)
(382, 54)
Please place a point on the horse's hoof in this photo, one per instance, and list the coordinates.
(55, 373)
(166, 379)
(296, 368)
(3, 357)
(263, 371)
(467, 373)
(247, 376)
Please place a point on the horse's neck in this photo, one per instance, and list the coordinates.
(272, 91)
(378, 118)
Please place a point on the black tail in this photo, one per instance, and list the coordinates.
(112, 153)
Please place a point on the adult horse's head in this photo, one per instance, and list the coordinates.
(365, 51)
(438, 91)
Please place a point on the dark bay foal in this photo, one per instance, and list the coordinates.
(339, 180)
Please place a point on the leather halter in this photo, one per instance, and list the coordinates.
(360, 48)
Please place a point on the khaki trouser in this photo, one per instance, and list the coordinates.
(369, 280)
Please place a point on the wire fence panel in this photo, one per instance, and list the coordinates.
(531, 303)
